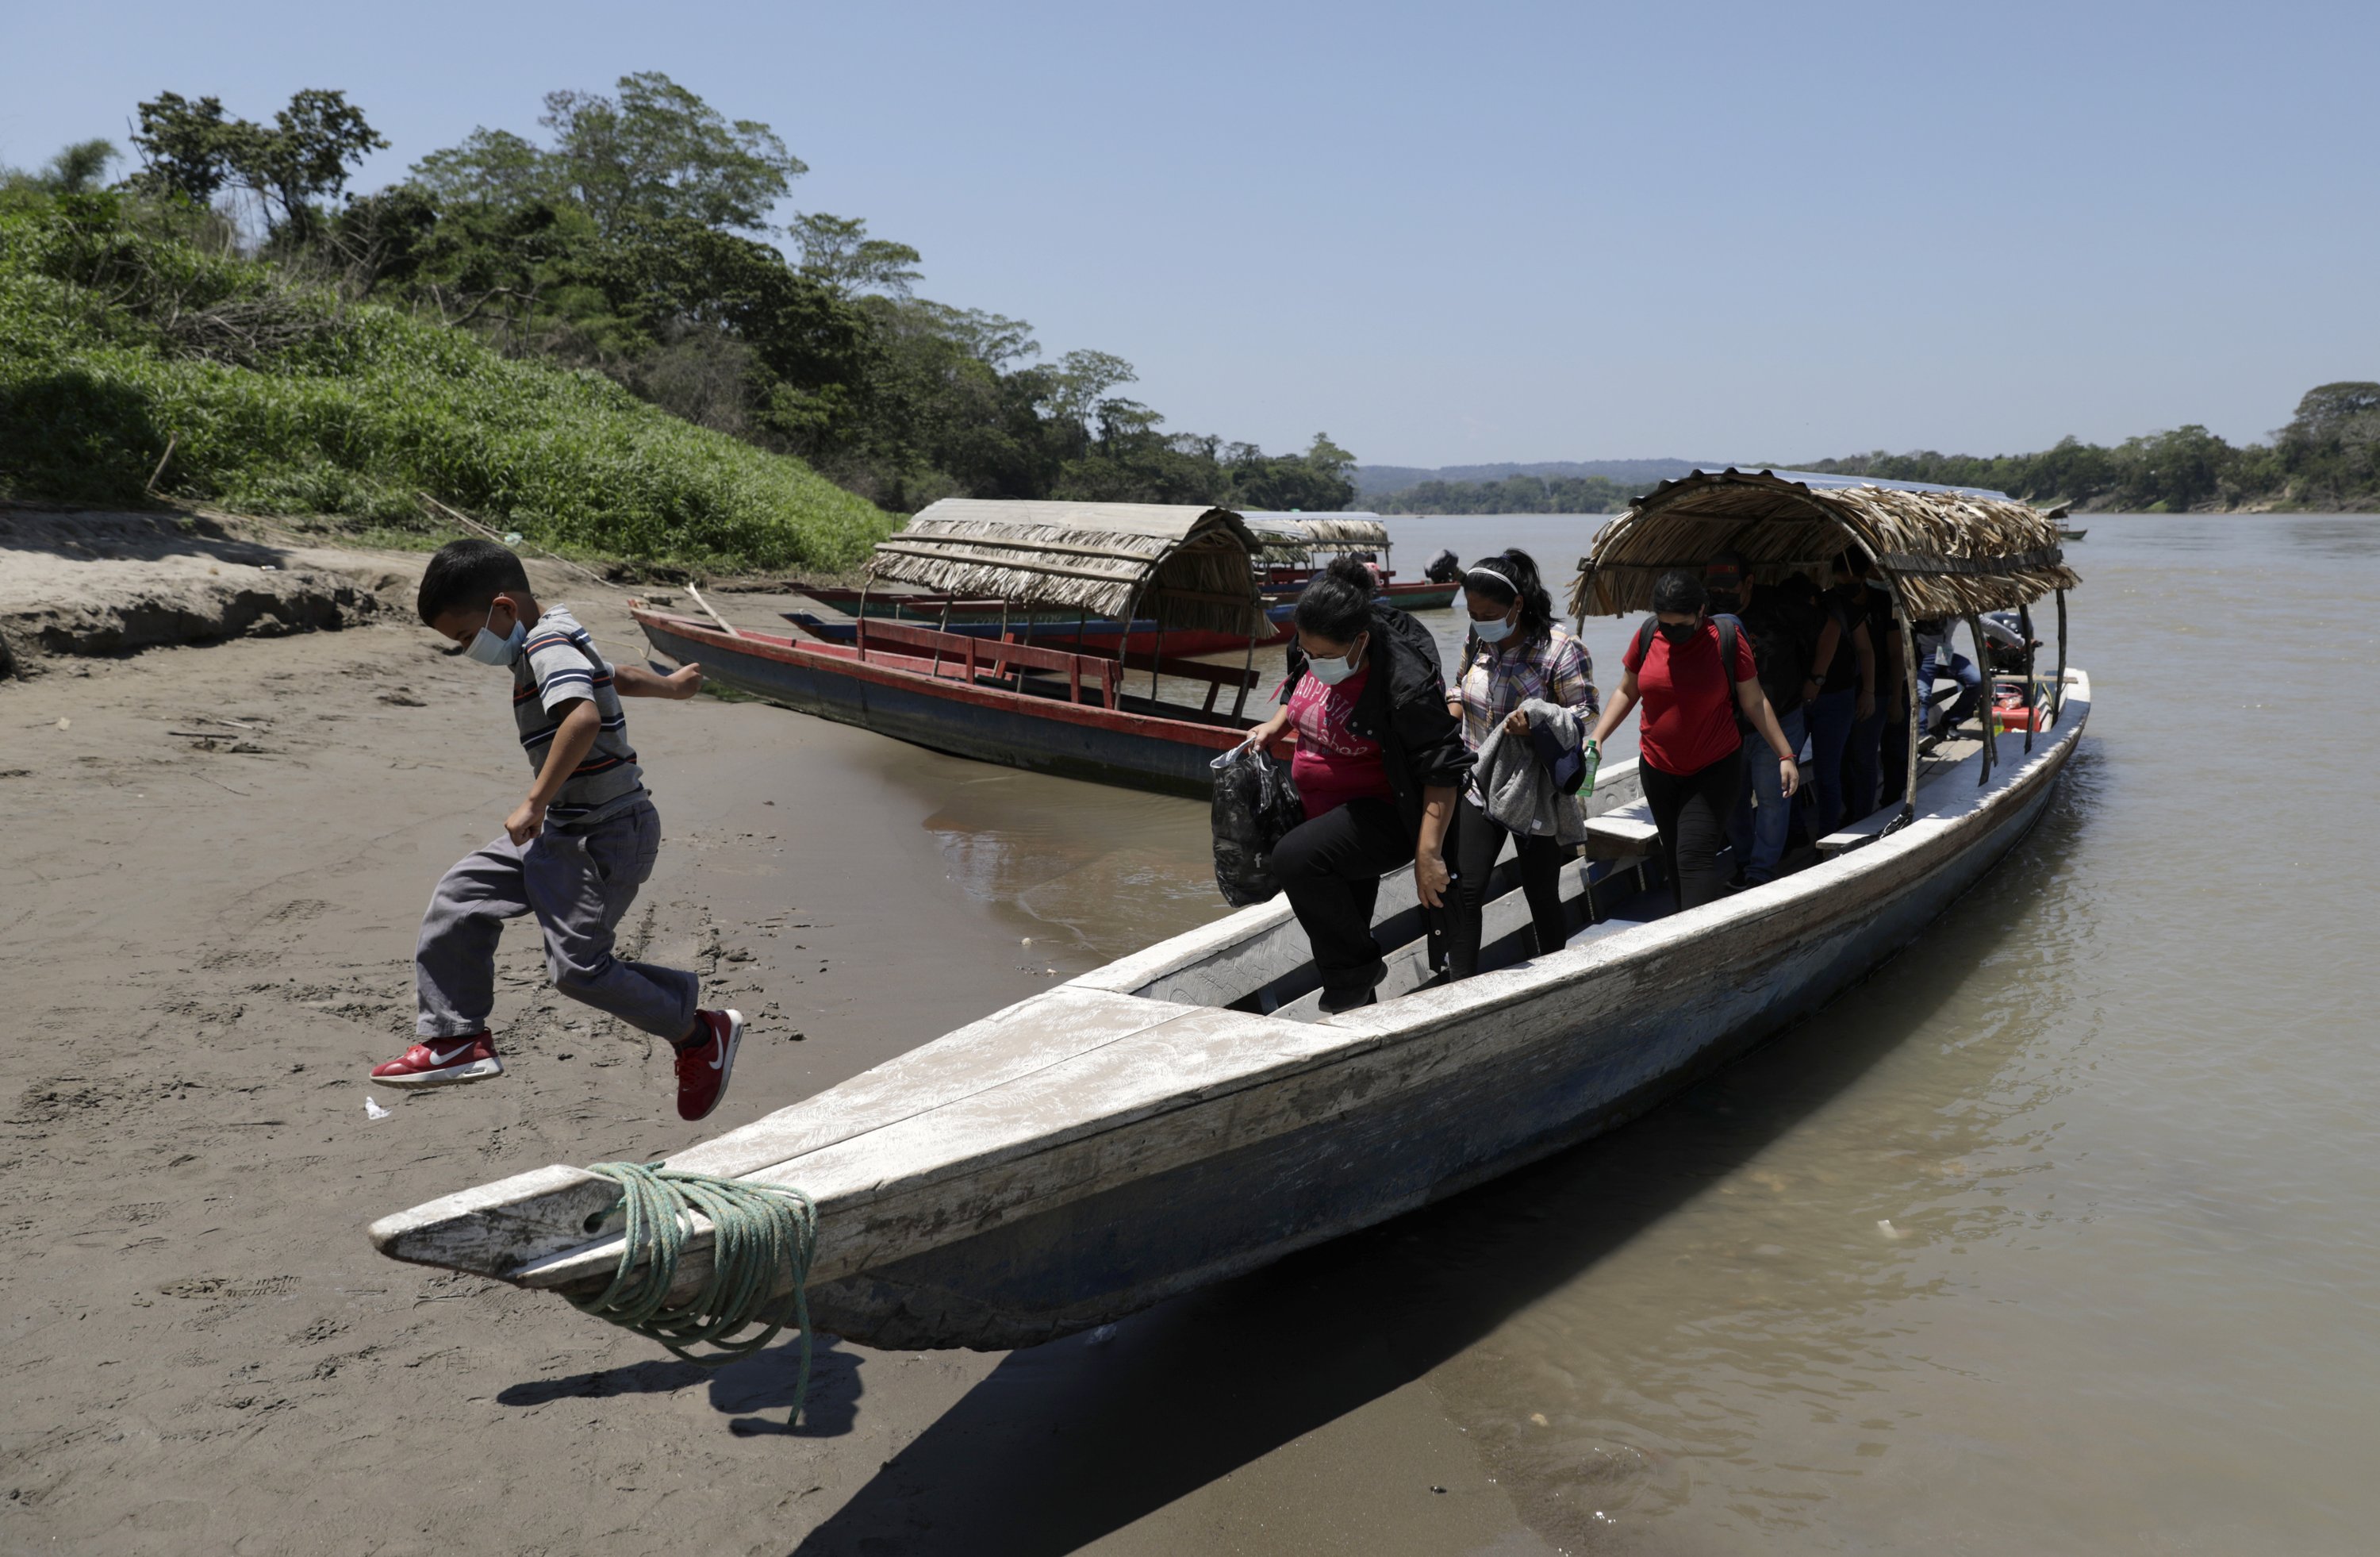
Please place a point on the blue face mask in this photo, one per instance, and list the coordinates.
(1331, 672)
(490, 650)
(1496, 629)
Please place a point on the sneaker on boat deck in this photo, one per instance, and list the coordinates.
(439, 1062)
(704, 1065)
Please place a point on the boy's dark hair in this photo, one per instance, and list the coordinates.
(1678, 593)
(465, 576)
(1337, 602)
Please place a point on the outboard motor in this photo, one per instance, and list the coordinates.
(1444, 568)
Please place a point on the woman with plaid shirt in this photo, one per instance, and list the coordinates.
(1517, 651)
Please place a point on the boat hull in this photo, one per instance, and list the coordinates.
(1599, 1049)
(985, 723)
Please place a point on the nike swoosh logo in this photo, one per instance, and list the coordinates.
(448, 1057)
(721, 1062)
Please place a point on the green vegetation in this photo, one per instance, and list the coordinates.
(634, 239)
(1513, 495)
(127, 322)
(2327, 457)
(593, 337)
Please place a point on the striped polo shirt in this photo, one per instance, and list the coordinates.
(557, 665)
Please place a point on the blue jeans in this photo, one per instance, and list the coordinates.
(1757, 835)
(1831, 715)
(1960, 670)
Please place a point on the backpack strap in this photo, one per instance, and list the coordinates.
(1645, 637)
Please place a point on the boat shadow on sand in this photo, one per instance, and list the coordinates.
(1066, 1442)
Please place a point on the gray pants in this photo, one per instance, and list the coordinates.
(578, 884)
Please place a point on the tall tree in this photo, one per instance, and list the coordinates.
(657, 150)
(196, 151)
(186, 148)
(306, 156)
(838, 251)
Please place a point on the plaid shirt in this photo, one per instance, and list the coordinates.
(1500, 679)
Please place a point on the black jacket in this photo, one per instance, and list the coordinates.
(1421, 743)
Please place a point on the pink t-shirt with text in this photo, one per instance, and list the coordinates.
(1332, 764)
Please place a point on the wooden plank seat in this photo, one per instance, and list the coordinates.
(999, 657)
(1625, 833)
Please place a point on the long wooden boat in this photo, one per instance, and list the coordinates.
(1020, 705)
(1185, 1113)
(1087, 636)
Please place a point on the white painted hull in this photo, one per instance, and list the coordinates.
(1122, 1137)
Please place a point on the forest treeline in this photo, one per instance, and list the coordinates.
(1513, 495)
(631, 237)
(2327, 457)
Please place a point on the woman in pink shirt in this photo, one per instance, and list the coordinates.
(1378, 763)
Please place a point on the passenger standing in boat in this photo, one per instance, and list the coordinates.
(1841, 692)
(1865, 596)
(1519, 654)
(1691, 758)
(1936, 658)
(1379, 761)
(572, 854)
(1784, 628)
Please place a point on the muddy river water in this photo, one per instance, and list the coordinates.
(2061, 1233)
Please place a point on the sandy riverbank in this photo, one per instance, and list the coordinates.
(207, 945)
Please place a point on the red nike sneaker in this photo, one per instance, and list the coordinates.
(437, 1062)
(704, 1065)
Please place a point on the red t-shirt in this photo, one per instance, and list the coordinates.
(1333, 765)
(1688, 722)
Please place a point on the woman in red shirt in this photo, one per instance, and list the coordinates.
(1691, 755)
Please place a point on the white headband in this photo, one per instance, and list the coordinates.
(1491, 573)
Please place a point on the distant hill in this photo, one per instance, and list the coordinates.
(1379, 480)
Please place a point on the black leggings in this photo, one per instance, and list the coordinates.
(1330, 869)
(1691, 810)
(1478, 839)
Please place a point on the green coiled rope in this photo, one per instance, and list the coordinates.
(760, 1235)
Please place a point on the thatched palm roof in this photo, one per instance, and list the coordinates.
(1293, 537)
(1185, 566)
(1951, 552)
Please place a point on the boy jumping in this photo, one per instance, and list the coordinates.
(573, 852)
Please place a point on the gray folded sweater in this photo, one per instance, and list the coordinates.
(1519, 793)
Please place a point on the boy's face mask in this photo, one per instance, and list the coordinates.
(490, 650)
(1681, 632)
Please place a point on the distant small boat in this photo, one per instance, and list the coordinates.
(2072, 534)
(1291, 548)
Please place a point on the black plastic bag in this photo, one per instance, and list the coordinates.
(1256, 805)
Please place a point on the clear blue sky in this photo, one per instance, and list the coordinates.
(1483, 232)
